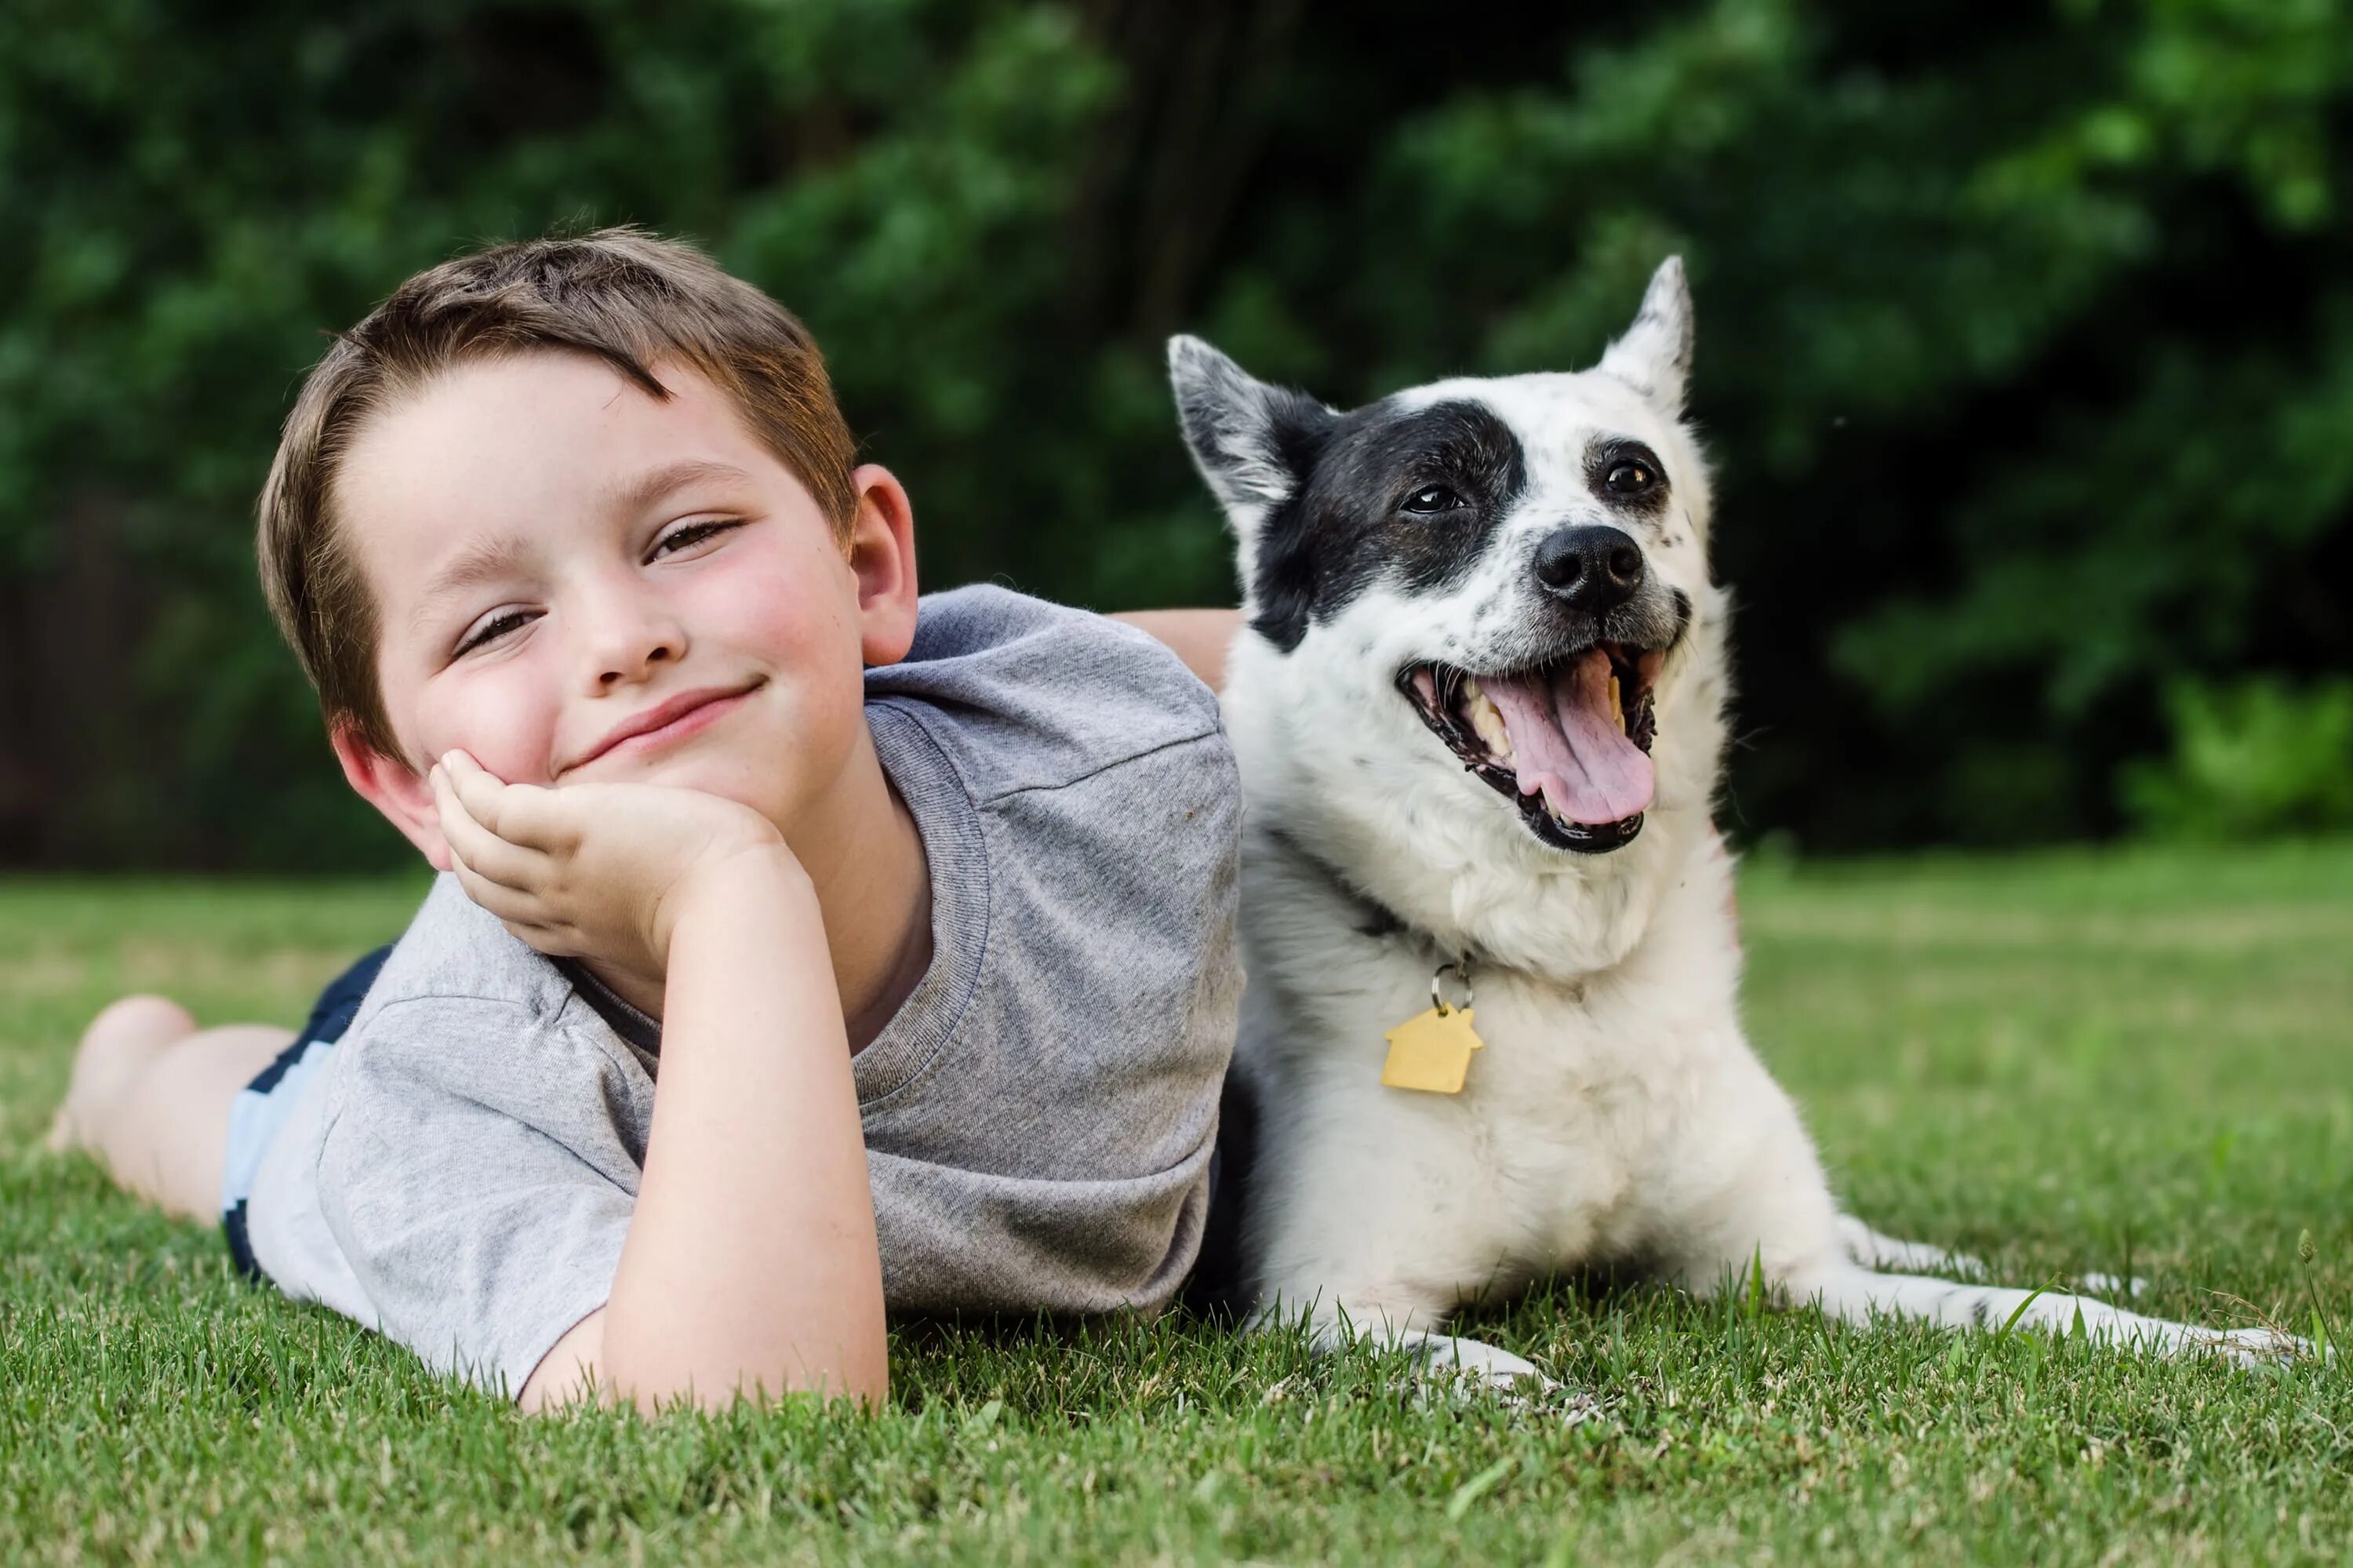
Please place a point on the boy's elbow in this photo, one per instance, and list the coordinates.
(713, 1377)
(714, 1398)
(713, 1395)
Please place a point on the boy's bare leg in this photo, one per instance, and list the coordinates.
(150, 1098)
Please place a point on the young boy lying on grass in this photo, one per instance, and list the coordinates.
(923, 910)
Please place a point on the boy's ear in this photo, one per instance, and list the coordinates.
(393, 788)
(882, 558)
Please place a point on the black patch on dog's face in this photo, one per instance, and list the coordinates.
(1412, 497)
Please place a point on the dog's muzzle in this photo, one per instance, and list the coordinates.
(1567, 742)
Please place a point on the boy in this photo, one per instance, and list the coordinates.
(923, 912)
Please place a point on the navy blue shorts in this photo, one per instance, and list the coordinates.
(261, 1107)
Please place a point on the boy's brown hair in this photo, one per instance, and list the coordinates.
(629, 299)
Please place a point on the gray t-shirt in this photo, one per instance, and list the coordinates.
(1038, 1115)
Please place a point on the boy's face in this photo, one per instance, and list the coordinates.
(574, 581)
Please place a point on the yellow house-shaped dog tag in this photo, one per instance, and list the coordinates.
(1431, 1051)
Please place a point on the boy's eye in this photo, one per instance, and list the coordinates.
(491, 630)
(690, 535)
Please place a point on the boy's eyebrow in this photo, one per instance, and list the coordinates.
(633, 496)
(501, 555)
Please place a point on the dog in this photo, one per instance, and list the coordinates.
(1491, 1031)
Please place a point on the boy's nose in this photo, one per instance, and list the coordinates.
(623, 669)
(630, 640)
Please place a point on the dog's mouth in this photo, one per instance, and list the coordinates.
(1567, 742)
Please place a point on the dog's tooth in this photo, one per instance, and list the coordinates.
(1617, 703)
(1486, 720)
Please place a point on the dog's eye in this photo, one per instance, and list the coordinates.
(1631, 478)
(1433, 498)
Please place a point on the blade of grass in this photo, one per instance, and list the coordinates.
(2020, 1311)
(2322, 1331)
(1478, 1487)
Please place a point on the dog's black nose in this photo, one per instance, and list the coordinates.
(1594, 568)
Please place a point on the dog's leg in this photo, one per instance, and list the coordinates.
(1387, 1321)
(1880, 1253)
(1766, 1204)
(1366, 1246)
(1854, 1295)
(1869, 1248)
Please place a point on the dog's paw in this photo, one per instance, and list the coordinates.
(1441, 1366)
(1447, 1367)
(1473, 1363)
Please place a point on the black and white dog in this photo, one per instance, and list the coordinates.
(1491, 1029)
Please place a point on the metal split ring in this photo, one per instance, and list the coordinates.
(1463, 973)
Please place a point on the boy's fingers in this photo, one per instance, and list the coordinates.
(461, 766)
(483, 851)
(509, 906)
(555, 941)
(540, 818)
(483, 795)
(519, 814)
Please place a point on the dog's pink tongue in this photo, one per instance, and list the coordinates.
(1564, 743)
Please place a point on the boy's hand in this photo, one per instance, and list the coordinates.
(597, 871)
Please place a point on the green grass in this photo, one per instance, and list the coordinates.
(2063, 1063)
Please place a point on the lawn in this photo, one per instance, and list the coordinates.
(2130, 1062)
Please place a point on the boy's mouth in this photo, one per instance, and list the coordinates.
(674, 719)
(1567, 742)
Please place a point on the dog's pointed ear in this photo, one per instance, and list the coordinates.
(1655, 355)
(1251, 441)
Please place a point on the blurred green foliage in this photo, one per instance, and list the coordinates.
(2250, 760)
(2026, 345)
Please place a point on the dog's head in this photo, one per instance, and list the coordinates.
(1502, 581)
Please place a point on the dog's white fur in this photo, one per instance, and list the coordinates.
(1616, 1111)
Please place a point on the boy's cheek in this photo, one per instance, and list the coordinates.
(512, 765)
(513, 742)
(792, 608)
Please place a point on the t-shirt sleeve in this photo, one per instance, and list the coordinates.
(478, 1175)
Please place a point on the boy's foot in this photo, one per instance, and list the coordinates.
(120, 1043)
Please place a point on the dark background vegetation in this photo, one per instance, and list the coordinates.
(2026, 347)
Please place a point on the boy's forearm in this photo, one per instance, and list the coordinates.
(751, 1258)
